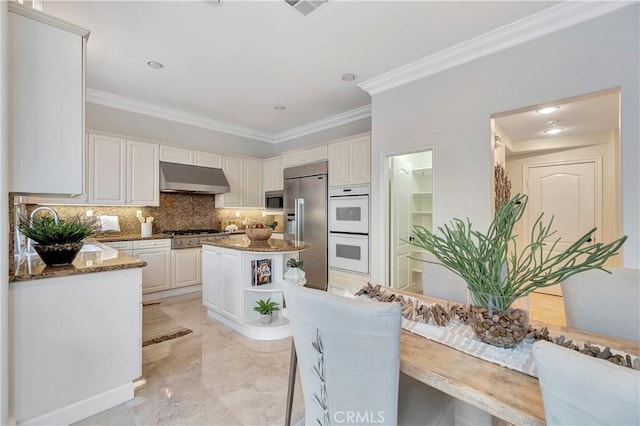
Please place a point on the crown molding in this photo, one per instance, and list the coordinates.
(133, 105)
(552, 19)
(326, 123)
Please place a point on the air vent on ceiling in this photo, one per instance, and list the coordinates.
(306, 6)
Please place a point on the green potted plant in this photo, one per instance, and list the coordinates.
(497, 273)
(57, 241)
(295, 272)
(266, 308)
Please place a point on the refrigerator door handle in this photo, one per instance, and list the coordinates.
(299, 212)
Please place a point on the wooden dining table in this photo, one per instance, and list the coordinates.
(507, 394)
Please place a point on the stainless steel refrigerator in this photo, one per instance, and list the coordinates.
(305, 211)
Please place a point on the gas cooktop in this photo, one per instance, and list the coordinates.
(193, 232)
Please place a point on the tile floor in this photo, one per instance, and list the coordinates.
(216, 376)
(213, 376)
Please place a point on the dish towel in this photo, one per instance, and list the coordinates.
(109, 223)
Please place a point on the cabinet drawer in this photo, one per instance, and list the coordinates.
(144, 244)
(120, 245)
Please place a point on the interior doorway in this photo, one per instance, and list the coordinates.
(565, 156)
(410, 189)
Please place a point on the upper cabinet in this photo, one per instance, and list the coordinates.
(123, 171)
(350, 161)
(45, 66)
(304, 156)
(171, 154)
(245, 179)
(272, 179)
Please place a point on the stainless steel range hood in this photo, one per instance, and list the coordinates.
(192, 179)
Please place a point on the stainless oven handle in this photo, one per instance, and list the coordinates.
(299, 212)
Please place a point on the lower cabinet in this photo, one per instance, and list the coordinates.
(185, 267)
(221, 281)
(156, 276)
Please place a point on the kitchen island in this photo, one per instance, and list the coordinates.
(236, 273)
(75, 335)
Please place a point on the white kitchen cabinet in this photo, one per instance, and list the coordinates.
(185, 267)
(122, 171)
(171, 154)
(207, 159)
(304, 156)
(221, 284)
(143, 183)
(124, 246)
(107, 170)
(245, 180)
(156, 275)
(350, 161)
(45, 105)
(272, 179)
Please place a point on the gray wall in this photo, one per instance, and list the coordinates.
(113, 120)
(450, 111)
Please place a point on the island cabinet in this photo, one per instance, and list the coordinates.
(231, 288)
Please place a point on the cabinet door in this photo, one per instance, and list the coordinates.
(107, 170)
(211, 277)
(172, 154)
(142, 173)
(45, 106)
(206, 159)
(232, 168)
(185, 267)
(231, 285)
(338, 163)
(272, 179)
(252, 184)
(360, 160)
(292, 158)
(156, 275)
(313, 155)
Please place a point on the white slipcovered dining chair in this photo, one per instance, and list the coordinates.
(604, 303)
(438, 281)
(349, 361)
(580, 390)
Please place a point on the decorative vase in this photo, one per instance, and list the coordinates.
(265, 319)
(295, 274)
(58, 254)
(497, 320)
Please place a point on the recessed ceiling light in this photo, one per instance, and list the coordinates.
(554, 131)
(548, 110)
(348, 77)
(279, 107)
(213, 3)
(155, 65)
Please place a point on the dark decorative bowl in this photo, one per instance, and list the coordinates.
(58, 254)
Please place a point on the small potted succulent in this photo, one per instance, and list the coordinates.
(57, 241)
(266, 308)
(498, 273)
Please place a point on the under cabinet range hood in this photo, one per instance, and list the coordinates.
(192, 179)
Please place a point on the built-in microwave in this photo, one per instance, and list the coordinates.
(274, 200)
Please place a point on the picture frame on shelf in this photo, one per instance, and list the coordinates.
(261, 272)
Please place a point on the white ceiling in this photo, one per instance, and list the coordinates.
(233, 63)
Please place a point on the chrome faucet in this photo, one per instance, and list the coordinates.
(32, 215)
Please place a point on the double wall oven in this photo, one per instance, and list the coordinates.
(349, 229)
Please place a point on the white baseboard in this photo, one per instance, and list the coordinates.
(82, 409)
(150, 297)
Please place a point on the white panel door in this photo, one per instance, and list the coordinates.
(156, 275)
(338, 154)
(231, 285)
(107, 170)
(143, 187)
(206, 159)
(232, 168)
(211, 277)
(569, 193)
(400, 195)
(359, 161)
(272, 179)
(185, 267)
(172, 154)
(252, 184)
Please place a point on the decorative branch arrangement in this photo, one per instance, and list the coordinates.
(501, 185)
(416, 310)
(322, 400)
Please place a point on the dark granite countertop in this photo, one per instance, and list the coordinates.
(94, 260)
(115, 237)
(271, 245)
